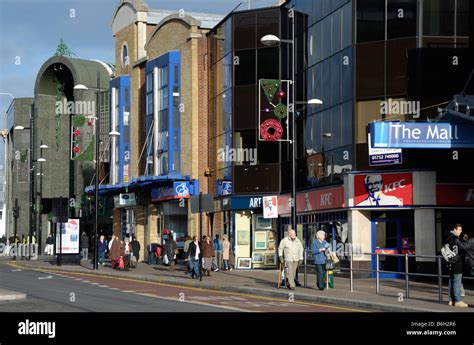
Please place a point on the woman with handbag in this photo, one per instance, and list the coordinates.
(170, 251)
(319, 248)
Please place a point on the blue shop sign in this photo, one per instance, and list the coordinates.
(246, 203)
(422, 135)
(176, 191)
(181, 189)
(224, 187)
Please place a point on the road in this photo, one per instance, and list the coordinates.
(50, 291)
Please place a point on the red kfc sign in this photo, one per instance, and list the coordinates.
(454, 195)
(378, 190)
(323, 199)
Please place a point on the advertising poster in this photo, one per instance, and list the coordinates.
(70, 237)
(270, 207)
(376, 190)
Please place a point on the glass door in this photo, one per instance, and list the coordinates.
(386, 239)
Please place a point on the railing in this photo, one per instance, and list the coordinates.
(378, 271)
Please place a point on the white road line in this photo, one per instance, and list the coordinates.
(95, 283)
(78, 279)
(114, 289)
(17, 270)
(47, 277)
(104, 286)
(86, 281)
(129, 291)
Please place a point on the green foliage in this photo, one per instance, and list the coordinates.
(270, 87)
(78, 120)
(88, 154)
(63, 50)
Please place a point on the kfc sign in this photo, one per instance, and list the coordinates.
(379, 190)
(454, 195)
(323, 199)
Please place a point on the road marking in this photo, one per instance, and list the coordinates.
(196, 289)
(114, 289)
(17, 270)
(95, 283)
(47, 277)
(104, 286)
(86, 281)
(129, 291)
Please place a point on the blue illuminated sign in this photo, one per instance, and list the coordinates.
(422, 135)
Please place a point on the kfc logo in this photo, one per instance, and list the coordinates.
(383, 190)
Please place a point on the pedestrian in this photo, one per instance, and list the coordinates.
(291, 251)
(127, 251)
(49, 250)
(23, 239)
(151, 250)
(135, 251)
(102, 249)
(218, 257)
(195, 255)
(226, 253)
(85, 245)
(170, 251)
(187, 262)
(319, 248)
(114, 251)
(469, 254)
(208, 253)
(455, 267)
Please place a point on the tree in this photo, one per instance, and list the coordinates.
(63, 49)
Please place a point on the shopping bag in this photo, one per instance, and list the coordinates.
(165, 259)
(329, 265)
(121, 263)
(334, 257)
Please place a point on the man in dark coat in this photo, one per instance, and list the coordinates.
(195, 256)
(135, 251)
(170, 251)
(85, 245)
(455, 268)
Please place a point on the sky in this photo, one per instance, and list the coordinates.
(30, 31)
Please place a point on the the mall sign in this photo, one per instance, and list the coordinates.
(421, 135)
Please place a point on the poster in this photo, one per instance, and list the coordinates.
(260, 240)
(263, 223)
(243, 238)
(70, 237)
(270, 207)
(374, 190)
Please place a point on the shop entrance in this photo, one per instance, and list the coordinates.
(392, 233)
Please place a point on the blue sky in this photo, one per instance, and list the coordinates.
(31, 29)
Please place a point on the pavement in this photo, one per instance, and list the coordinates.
(423, 297)
(8, 295)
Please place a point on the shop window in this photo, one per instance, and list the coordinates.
(244, 70)
(401, 18)
(438, 18)
(370, 70)
(244, 31)
(370, 20)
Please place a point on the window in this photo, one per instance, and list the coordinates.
(462, 17)
(267, 63)
(346, 121)
(438, 18)
(401, 18)
(244, 31)
(370, 20)
(336, 32)
(244, 71)
(125, 57)
(245, 107)
(346, 25)
(397, 62)
(370, 70)
(336, 127)
(268, 23)
(326, 38)
(336, 63)
(326, 81)
(346, 75)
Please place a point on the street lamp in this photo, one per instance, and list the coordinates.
(40, 196)
(97, 159)
(272, 40)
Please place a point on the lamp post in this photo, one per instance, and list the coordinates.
(40, 198)
(272, 40)
(97, 158)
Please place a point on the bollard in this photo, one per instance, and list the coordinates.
(327, 279)
(406, 276)
(440, 280)
(351, 280)
(377, 274)
(305, 270)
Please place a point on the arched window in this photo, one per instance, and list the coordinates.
(125, 58)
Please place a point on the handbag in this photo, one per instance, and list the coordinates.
(121, 263)
(334, 257)
(165, 259)
(329, 265)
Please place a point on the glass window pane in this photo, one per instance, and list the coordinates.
(228, 36)
(317, 130)
(312, 46)
(244, 30)
(346, 120)
(370, 20)
(327, 130)
(268, 66)
(370, 70)
(317, 11)
(317, 50)
(346, 74)
(397, 65)
(318, 93)
(336, 32)
(438, 18)
(401, 18)
(245, 107)
(308, 136)
(326, 81)
(462, 17)
(347, 25)
(326, 49)
(336, 127)
(336, 78)
(244, 71)
(326, 7)
(268, 23)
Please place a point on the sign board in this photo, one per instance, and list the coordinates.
(322, 199)
(125, 200)
(224, 187)
(454, 194)
(270, 207)
(422, 135)
(383, 156)
(207, 203)
(177, 191)
(70, 237)
(378, 190)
